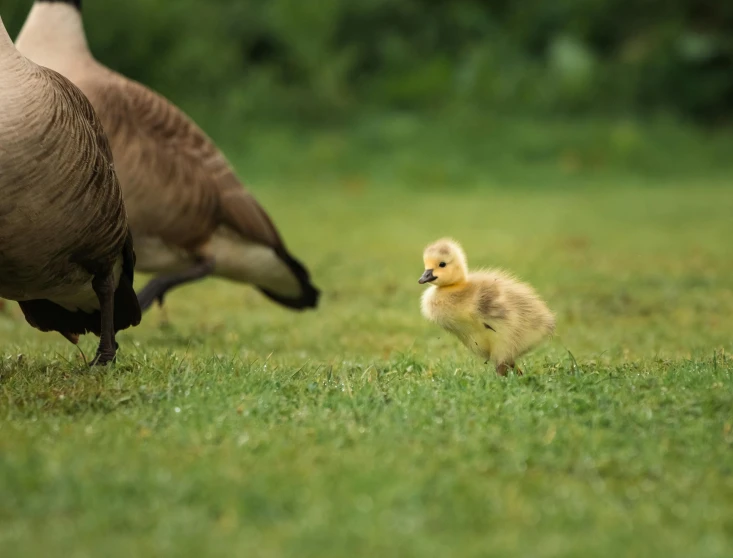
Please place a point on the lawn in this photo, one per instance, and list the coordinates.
(360, 429)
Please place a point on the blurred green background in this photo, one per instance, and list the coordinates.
(331, 58)
(582, 144)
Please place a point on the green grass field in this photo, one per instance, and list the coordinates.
(362, 430)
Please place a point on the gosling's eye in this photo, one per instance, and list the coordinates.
(441, 264)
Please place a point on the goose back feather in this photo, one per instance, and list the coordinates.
(62, 217)
(184, 202)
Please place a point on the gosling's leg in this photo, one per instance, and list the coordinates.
(104, 288)
(503, 368)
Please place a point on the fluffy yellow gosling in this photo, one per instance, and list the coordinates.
(491, 312)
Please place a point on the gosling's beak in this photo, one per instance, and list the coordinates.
(427, 277)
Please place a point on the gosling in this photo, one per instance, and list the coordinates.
(493, 314)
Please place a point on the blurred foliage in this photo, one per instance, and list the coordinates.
(318, 59)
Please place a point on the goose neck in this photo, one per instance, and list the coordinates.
(53, 36)
(9, 56)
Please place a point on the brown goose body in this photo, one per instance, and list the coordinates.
(190, 215)
(65, 250)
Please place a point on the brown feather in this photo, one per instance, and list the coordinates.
(63, 216)
(179, 188)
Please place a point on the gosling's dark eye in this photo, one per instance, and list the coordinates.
(441, 264)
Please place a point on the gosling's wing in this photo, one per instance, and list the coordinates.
(489, 302)
(502, 297)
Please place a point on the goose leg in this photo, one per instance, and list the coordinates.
(104, 288)
(157, 287)
(164, 321)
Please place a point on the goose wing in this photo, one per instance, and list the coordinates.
(177, 183)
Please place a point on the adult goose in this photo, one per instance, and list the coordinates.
(190, 215)
(66, 253)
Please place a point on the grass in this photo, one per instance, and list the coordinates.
(360, 429)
